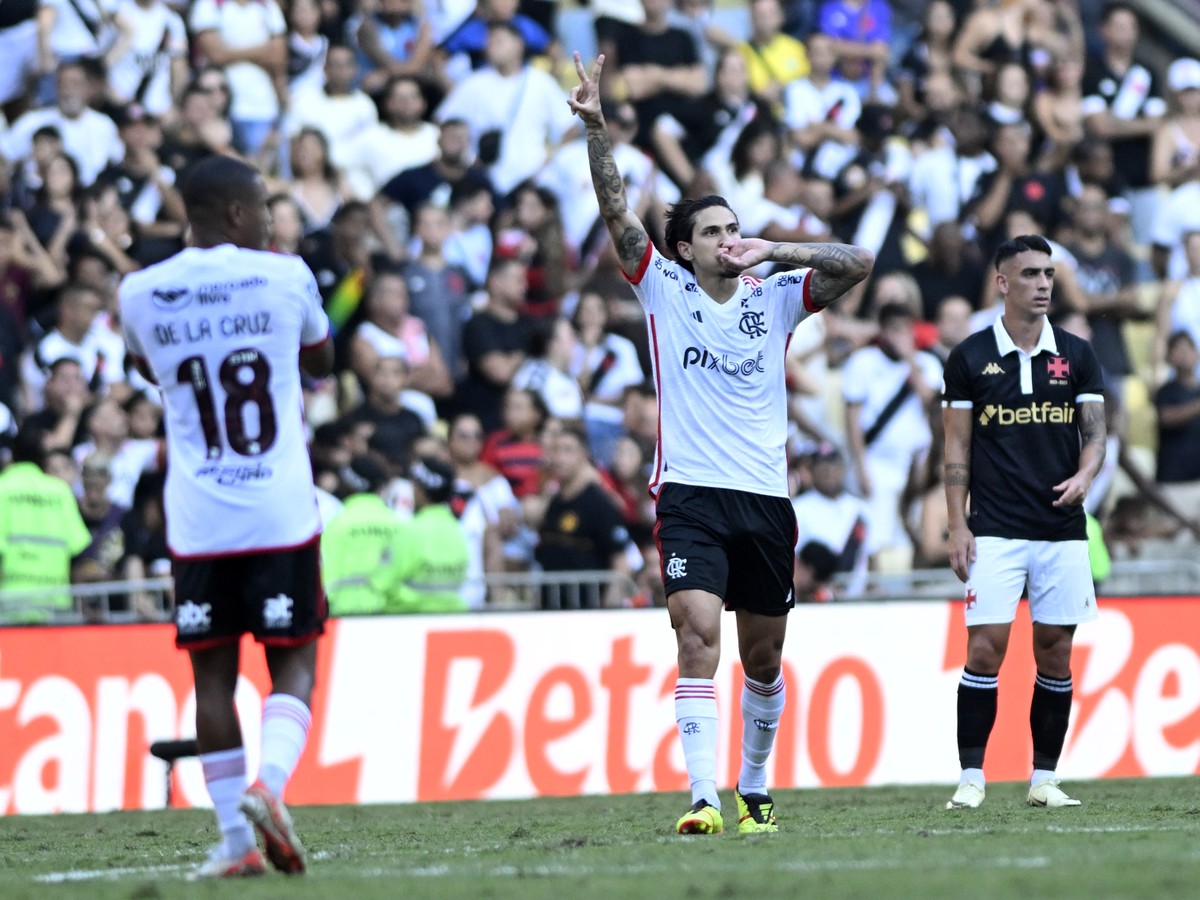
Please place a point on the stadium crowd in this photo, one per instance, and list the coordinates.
(424, 164)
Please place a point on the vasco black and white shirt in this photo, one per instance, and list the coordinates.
(719, 375)
(1025, 434)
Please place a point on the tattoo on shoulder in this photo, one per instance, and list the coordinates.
(631, 246)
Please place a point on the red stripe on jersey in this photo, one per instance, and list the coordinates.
(321, 343)
(658, 455)
(642, 266)
(226, 554)
(808, 304)
(751, 280)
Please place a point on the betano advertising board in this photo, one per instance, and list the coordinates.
(525, 704)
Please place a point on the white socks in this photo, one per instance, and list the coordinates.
(696, 716)
(973, 775)
(225, 776)
(762, 705)
(285, 725)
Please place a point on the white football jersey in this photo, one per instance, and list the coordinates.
(719, 375)
(222, 329)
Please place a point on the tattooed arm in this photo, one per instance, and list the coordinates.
(628, 233)
(958, 423)
(1093, 434)
(836, 267)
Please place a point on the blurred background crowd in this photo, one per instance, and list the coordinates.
(423, 162)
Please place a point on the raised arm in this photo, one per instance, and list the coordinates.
(836, 267)
(628, 233)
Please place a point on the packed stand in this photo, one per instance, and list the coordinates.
(493, 376)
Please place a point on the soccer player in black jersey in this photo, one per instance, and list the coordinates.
(1024, 416)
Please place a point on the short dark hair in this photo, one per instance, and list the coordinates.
(30, 445)
(212, 184)
(681, 222)
(1177, 336)
(1020, 244)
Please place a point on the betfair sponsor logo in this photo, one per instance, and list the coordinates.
(1045, 413)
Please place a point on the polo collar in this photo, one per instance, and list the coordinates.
(1006, 346)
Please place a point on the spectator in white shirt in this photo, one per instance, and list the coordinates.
(515, 112)
(888, 389)
(402, 140)
(148, 64)
(90, 137)
(248, 39)
(337, 109)
(80, 334)
(822, 112)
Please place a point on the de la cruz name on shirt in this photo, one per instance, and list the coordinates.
(196, 330)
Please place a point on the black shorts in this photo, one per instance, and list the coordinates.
(706, 535)
(275, 596)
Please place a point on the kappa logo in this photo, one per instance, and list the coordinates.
(676, 567)
(277, 611)
(192, 617)
(992, 368)
(170, 298)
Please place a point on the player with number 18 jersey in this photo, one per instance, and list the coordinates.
(221, 328)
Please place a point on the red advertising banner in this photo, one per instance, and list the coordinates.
(527, 704)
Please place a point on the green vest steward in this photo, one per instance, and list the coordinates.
(429, 564)
(355, 555)
(41, 529)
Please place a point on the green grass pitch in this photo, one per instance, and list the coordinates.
(1131, 838)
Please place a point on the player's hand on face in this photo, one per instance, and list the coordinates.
(584, 99)
(962, 551)
(745, 253)
(1073, 491)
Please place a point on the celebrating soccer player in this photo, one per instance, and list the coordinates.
(725, 523)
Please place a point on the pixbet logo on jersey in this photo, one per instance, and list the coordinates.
(699, 356)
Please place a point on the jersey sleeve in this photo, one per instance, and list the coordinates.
(653, 275)
(956, 381)
(315, 328)
(1090, 383)
(792, 292)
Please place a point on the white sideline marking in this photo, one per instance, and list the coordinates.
(119, 871)
(93, 874)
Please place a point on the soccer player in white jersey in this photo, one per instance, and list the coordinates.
(223, 328)
(725, 527)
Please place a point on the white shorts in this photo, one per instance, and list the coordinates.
(1059, 574)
